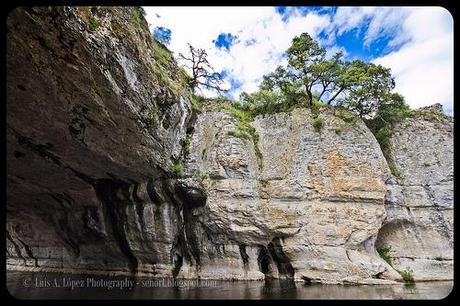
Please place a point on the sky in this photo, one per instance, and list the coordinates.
(245, 43)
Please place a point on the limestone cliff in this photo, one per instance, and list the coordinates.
(90, 123)
(98, 114)
(419, 204)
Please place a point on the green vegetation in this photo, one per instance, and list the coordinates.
(316, 106)
(186, 144)
(345, 115)
(384, 252)
(204, 154)
(164, 67)
(93, 24)
(154, 116)
(359, 86)
(318, 124)
(263, 183)
(394, 169)
(200, 176)
(245, 130)
(382, 124)
(354, 88)
(138, 16)
(178, 169)
(407, 276)
(198, 103)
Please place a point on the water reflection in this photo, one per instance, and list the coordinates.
(53, 285)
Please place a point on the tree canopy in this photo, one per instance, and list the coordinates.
(310, 75)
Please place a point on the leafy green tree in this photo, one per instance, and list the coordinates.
(309, 76)
(306, 63)
(369, 87)
(393, 110)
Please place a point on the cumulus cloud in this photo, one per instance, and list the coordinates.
(251, 41)
(423, 67)
(262, 37)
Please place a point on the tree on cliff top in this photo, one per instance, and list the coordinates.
(203, 73)
(310, 76)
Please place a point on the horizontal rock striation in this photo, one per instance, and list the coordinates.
(98, 118)
(89, 126)
(308, 203)
(419, 204)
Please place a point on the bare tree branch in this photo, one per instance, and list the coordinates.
(202, 72)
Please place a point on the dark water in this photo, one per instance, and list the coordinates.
(72, 286)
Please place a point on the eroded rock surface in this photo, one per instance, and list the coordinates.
(95, 125)
(83, 144)
(419, 205)
(309, 204)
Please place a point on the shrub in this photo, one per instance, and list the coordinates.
(197, 103)
(318, 124)
(346, 116)
(316, 106)
(393, 169)
(93, 24)
(154, 116)
(263, 183)
(200, 176)
(245, 129)
(384, 252)
(186, 143)
(178, 169)
(407, 276)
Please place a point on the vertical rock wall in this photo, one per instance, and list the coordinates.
(91, 125)
(307, 204)
(419, 204)
(97, 115)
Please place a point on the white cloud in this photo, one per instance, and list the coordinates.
(423, 67)
(271, 36)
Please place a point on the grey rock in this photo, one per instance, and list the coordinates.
(93, 131)
(419, 223)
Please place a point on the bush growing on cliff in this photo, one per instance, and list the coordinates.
(391, 112)
(178, 169)
(384, 252)
(407, 276)
(318, 124)
(93, 24)
(138, 16)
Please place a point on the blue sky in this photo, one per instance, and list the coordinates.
(247, 42)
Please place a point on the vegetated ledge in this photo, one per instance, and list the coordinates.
(103, 194)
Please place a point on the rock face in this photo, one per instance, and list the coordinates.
(309, 205)
(97, 118)
(89, 126)
(419, 205)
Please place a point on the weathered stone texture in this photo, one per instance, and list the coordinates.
(94, 129)
(81, 140)
(419, 204)
(313, 201)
